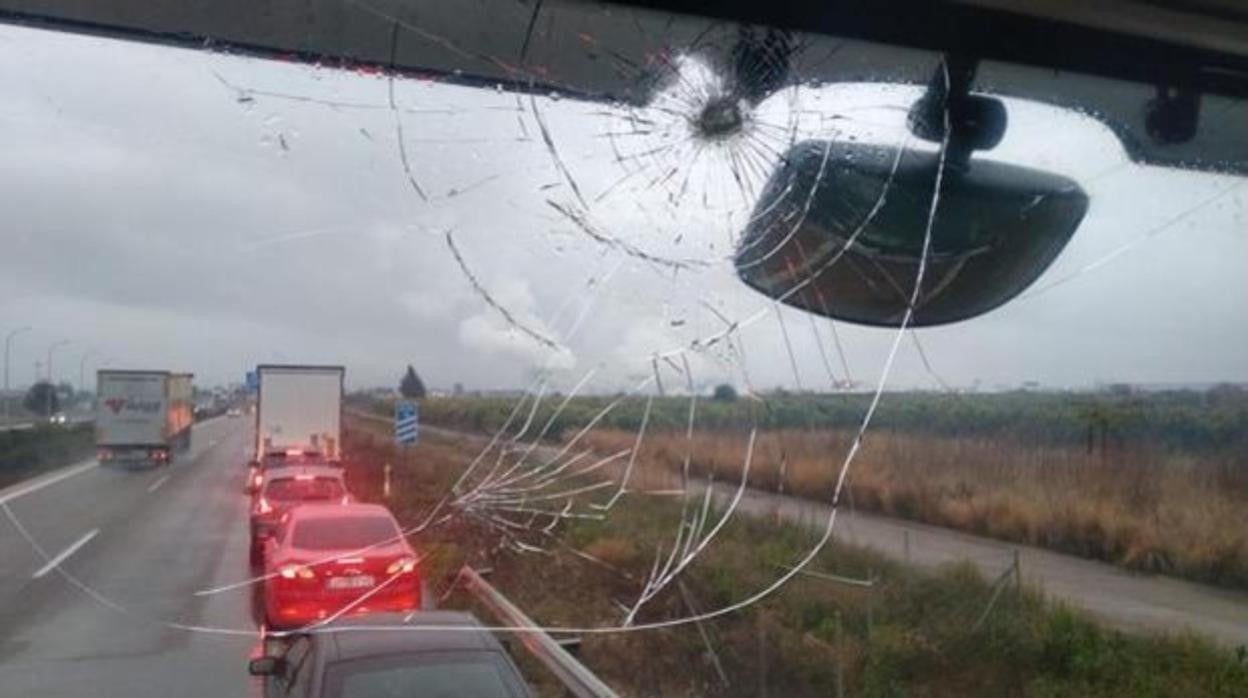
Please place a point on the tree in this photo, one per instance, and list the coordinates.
(411, 387)
(724, 393)
(42, 399)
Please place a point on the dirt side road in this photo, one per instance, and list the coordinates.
(1123, 599)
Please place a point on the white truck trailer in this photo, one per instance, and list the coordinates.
(142, 417)
(299, 408)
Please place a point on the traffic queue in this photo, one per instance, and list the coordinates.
(319, 552)
(330, 569)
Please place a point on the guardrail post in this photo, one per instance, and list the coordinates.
(1018, 575)
(762, 656)
(840, 661)
(870, 602)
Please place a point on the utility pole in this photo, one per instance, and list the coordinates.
(8, 345)
(47, 396)
(82, 370)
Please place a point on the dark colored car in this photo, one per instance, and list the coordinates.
(370, 657)
(326, 559)
(286, 488)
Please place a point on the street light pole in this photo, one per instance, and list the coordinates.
(82, 369)
(8, 343)
(47, 395)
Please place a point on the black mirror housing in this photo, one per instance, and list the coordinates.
(266, 666)
(840, 227)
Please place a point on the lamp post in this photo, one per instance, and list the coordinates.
(82, 369)
(8, 344)
(47, 399)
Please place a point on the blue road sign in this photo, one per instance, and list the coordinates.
(406, 422)
(253, 381)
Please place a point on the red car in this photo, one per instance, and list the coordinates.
(287, 488)
(327, 559)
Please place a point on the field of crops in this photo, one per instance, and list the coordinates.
(1154, 481)
(1180, 420)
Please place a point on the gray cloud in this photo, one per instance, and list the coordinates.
(155, 216)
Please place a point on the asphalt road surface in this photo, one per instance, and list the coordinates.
(142, 542)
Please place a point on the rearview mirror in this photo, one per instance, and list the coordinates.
(266, 666)
(839, 232)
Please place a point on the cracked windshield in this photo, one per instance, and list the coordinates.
(394, 348)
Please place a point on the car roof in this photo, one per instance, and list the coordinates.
(280, 458)
(337, 511)
(307, 470)
(372, 635)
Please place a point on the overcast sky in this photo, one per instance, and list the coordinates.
(168, 208)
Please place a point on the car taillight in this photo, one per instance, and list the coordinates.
(258, 480)
(403, 565)
(265, 507)
(297, 571)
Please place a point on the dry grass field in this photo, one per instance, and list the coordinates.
(913, 634)
(1144, 509)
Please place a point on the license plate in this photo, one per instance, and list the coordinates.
(359, 581)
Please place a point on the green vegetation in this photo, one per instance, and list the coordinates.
(913, 634)
(921, 639)
(28, 452)
(411, 387)
(1154, 481)
(1178, 420)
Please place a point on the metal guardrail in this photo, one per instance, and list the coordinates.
(579, 680)
(28, 425)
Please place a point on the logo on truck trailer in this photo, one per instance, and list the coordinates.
(117, 404)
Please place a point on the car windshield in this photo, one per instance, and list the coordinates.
(801, 348)
(342, 533)
(443, 674)
(300, 489)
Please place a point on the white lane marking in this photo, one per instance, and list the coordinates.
(56, 561)
(156, 485)
(50, 480)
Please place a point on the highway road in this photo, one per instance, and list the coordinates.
(144, 542)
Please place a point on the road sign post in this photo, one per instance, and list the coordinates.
(406, 423)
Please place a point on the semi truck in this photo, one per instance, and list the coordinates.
(142, 417)
(299, 409)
